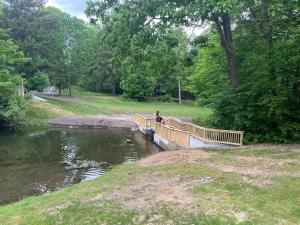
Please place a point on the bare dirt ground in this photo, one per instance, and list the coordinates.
(120, 121)
(146, 191)
(181, 156)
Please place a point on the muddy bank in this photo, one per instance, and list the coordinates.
(125, 122)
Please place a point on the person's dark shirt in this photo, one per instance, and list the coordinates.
(159, 119)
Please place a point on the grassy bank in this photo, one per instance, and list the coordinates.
(39, 113)
(248, 186)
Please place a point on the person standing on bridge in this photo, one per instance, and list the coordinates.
(158, 118)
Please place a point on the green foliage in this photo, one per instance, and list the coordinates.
(38, 82)
(22, 18)
(164, 98)
(210, 75)
(267, 103)
(70, 51)
(135, 85)
(143, 59)
(140, 49)
(12, 107)
(16, 110)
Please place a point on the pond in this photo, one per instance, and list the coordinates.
(33, 162)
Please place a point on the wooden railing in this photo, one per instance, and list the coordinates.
(152, 122)
(177, 136)
(172, 122)
(228, 137)
(142, 121)
(180, 132)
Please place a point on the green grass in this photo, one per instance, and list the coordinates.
(93, 105)
(71, 206)
(269, 152)
(89, 103)
(67, 206)
(36, 116)
(263, 205)
(218, 202)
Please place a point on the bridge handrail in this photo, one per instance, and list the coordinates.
(142, 121)
(228, 137)
(177, 136)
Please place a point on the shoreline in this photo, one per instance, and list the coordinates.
(195, 185)
(121, 121)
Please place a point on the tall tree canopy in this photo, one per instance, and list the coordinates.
(248, 69)
(246, 65)
(137, 15)
(12, 105)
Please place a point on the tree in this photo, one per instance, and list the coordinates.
(161, 14)
(70, 48)
(209, 79)
(13, 107)
(147, 62)
(266, 105)
(23, 19)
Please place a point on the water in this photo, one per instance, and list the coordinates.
(32, 162)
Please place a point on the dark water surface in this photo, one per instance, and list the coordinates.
(31, 161)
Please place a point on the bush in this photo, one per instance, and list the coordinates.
(266, 114)
(16, 111)
(38, 82)
(164, 98)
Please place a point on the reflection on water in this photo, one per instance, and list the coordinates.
(34, 162)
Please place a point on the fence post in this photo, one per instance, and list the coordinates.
(189, 140)
(241, 138)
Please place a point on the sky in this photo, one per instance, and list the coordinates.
(73, 7)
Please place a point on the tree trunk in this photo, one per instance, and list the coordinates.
(22, 89)
(265, 26)
(224, 29)
(296, 85)
(271, 58)
(69, 86)
(269, 36)
(114, 87)
(179, 91)
(59, 90)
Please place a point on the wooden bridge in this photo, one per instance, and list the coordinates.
(189, 135)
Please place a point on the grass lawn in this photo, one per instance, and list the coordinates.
(115, 105)
(87, 103)
(259, 186)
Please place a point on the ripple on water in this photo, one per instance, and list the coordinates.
(35, 162)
